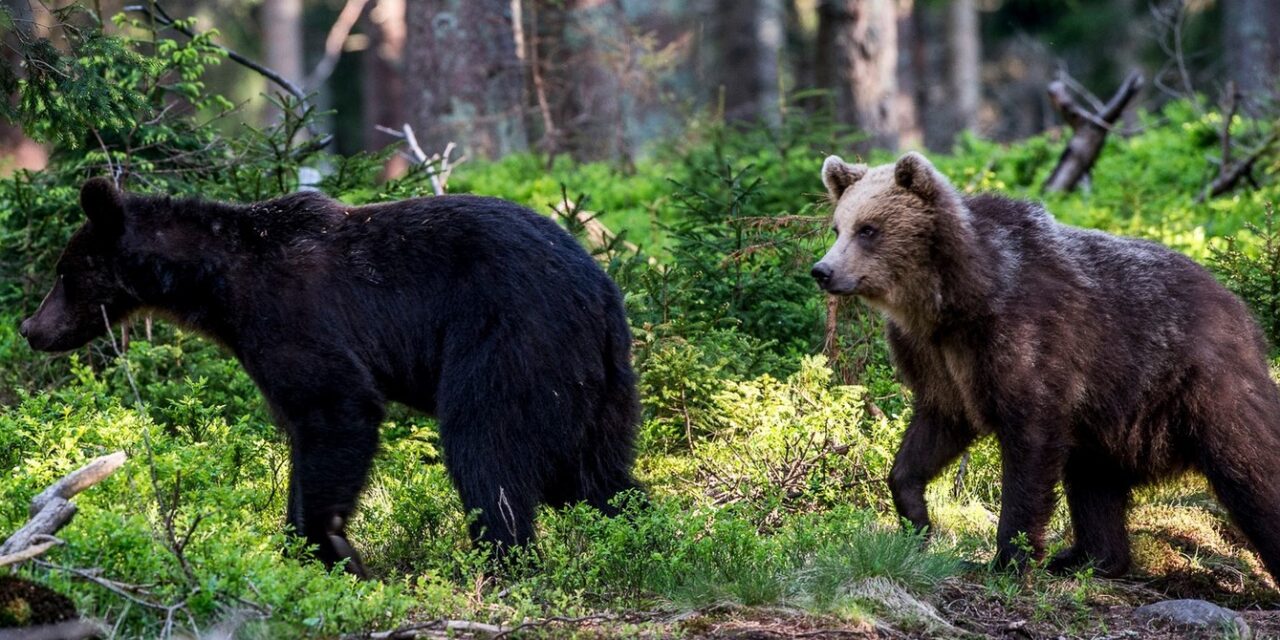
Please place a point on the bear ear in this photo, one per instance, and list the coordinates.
(103, 203)
(916, 174)
(839, 175)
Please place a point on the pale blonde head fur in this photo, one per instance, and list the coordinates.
(887, 221)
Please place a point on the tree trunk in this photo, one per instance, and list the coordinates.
(907, 105)
(799, 45)
(464, 79)
(1250, 31)
(282, 41)
(383, 80)
(965, 42)
(577, 87)
(858, 61)
(747, 37)
(17, 151)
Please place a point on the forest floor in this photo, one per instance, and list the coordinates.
(962, 607)
(978, 604)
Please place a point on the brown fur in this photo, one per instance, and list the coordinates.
(1100, 361)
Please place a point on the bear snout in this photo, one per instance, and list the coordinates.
(834, 283)
(822, 274)
(24, 328)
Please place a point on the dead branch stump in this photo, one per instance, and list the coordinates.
(52, 509)
(1089, 131)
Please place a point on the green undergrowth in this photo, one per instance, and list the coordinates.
(765, 441)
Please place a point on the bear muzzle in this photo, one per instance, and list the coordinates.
(38, 339)
(833, 283)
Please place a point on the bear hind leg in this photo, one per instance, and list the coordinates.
(1240, 481)
(489, 481)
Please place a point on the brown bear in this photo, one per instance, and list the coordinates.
(1100, 361)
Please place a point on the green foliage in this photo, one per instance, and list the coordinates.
(798, 444)
(764, 462)
(1250, 266)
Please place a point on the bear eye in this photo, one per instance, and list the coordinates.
(868, 232)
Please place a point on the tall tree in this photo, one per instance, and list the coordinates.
(858, 61)
(1251, 31)
(282, 40)
(965, 44)
(746, 39)
(382, 79)
(464, 80)
(907, 104)
(17, 151)
(572, 49)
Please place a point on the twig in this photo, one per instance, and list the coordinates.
(450, 627)
(73, 483)
(122, 589)
(333, 43)
(439, 166)
(599, 617)
(128, 372)
(32, 551)
(1230, 173)
(161, 17)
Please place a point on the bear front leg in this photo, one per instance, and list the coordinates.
(929, 445)
(1030, 468)
(332, 451)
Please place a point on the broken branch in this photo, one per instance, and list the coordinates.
(1231, 173)
(1089, 131)
(52, 509)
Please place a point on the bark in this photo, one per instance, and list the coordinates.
(928, 75)
(965, 44)
(383, 78)
(799, 46)
(463, 77)
(578, 87)
(857, 61)
(282, 41)
(17, 151)
(747, 37)
(907, 103)
(1250, 32)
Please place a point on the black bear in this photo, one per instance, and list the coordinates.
(475, 310)
(1101, 361)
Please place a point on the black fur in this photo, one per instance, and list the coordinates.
(475, 310)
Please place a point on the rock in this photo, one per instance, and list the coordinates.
(1196, 614)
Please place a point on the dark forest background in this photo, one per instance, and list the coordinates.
(603, 79)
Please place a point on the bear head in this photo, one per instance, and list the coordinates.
(886, 220)
(89, 292)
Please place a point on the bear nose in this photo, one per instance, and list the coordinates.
(24, 328)
(821, 273)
